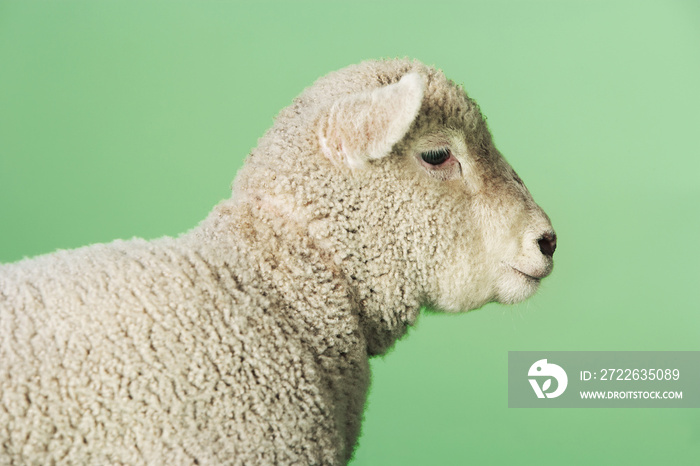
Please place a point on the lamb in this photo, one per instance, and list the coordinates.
(246, 340)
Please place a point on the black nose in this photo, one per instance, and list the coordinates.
(548, 243)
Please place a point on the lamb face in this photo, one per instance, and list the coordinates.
(462, 216)
(501, 243)
(483, 236)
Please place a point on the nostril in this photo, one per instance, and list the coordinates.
(547, 243)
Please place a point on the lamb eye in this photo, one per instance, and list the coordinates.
(435, 156)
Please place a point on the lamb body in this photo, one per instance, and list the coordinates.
(246, 340)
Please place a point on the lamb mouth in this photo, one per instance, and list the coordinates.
(527, 276)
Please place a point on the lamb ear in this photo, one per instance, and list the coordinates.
(366, 126)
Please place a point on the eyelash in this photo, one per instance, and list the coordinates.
(436, 156)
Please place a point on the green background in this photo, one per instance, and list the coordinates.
(121, 119)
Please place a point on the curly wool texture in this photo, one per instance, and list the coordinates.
(246, 340)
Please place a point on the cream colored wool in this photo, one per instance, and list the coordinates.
(246, 340)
